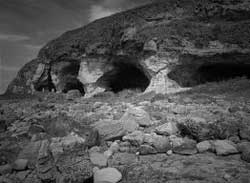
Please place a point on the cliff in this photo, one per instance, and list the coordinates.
(163, 47)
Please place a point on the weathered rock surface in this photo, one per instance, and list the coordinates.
(167, 129)
(244, 148)
(204, 146)
(111, 175)
(161, 47)
(224, 147)
(184, 146)
(98, 159)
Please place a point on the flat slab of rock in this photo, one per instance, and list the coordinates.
(224, 147)
(111, 175)
(98, 159)
(111, 130)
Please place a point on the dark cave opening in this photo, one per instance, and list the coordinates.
(190, 75)
(72, 83)
(46, 85)
(67, 71)
(125, 75)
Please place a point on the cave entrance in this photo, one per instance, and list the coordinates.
(45, 85)
(190, 75)
(72, 83)
(67, 71)
(124, 75)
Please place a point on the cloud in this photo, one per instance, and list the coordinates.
(97, 12)
(13, 37)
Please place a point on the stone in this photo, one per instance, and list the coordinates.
(111, 130)
(137, 114)
(244, 148)
(94, 149)
(184, 146)
(147, 149)
(22, 175)
(20, 164)
(59, 144)
(98, 159)
(111, 175)
(75, 165)
(136, 138)
(124, 146)
(160, 143)
(123, 159)
(130, 125)
(5, 169)
(169, 128)
(204, 146)
(170, 152)
(245, 132)
(224, 147)
(108, 153)
(114, 147)
(150, 46)
(73, 94)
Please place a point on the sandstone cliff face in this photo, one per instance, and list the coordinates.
(162, 47)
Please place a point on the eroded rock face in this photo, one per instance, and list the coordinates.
(163, 47)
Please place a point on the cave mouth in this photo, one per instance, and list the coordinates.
(72, 83)
(125, 75)
(67, 72)
(45, 85)
(190, 75)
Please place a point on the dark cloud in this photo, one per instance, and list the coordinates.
(26, 25)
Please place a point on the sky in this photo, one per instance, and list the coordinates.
(27, 25)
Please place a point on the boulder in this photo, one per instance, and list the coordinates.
(20, 164)
(73, 94)
(136, 138)
(224, 147)
(137, 114)
(59, 144)
(167, 129)
(111, 175)
(98, 159)
(160, 143)
(147, 149)
(150, 46)
(111, 129)
(244, 148)
(204, 146)
(184, 146)
(114, 147)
